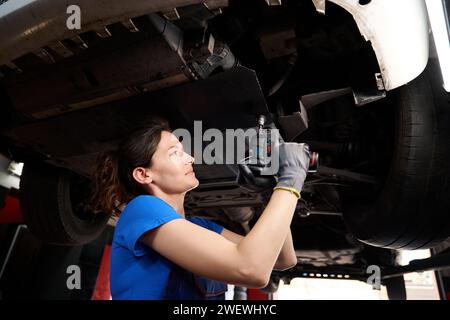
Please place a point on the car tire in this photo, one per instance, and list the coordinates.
(51, 201)
(413, 208)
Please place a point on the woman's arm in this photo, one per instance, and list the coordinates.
(209, 254)
(251, 261)
(268, 235)
(285, 260)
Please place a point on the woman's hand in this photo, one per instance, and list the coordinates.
(294, 164)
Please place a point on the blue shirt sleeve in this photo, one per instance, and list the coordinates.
(206, 223)
(142, 214)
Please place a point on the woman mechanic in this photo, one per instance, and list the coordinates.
(159, 253)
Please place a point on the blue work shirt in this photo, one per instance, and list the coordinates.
(139, 272)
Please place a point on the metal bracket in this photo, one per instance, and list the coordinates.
(320, 6)
(314, 99)
(44, 55)
(129, 24)
(13, 67)
(273, 2)
(295, 124)
(103, 32)
(60, 49)
(363, 98)
(79, 42)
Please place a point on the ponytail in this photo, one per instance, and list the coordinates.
(107, 193)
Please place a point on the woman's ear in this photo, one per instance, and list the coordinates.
(142, 175)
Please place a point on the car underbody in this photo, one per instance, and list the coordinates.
(223, 64)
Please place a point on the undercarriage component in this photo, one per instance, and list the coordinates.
(277, 42)
(220, 57)
(314, 99)
(436, 262)
(204, 54)
(320, 6)
(440, 261)
(273, 2)
(360, 97)
(242, 214)
(219, 188)
(295, 124)
(235, 94)
(322, 213)
(24, 30)
(347, 175)
(331, 272)
(364, 98)
(327, 258)
(149, 62)
(236, 197)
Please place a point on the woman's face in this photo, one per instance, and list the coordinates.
(171, 168)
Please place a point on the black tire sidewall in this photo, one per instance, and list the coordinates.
(413, 209)
(47, 207)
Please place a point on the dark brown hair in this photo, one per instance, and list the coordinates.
(112, 184)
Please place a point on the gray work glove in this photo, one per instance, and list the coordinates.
(293, 167)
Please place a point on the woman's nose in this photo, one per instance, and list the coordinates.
(190, 159)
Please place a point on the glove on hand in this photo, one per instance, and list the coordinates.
(293, 167)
